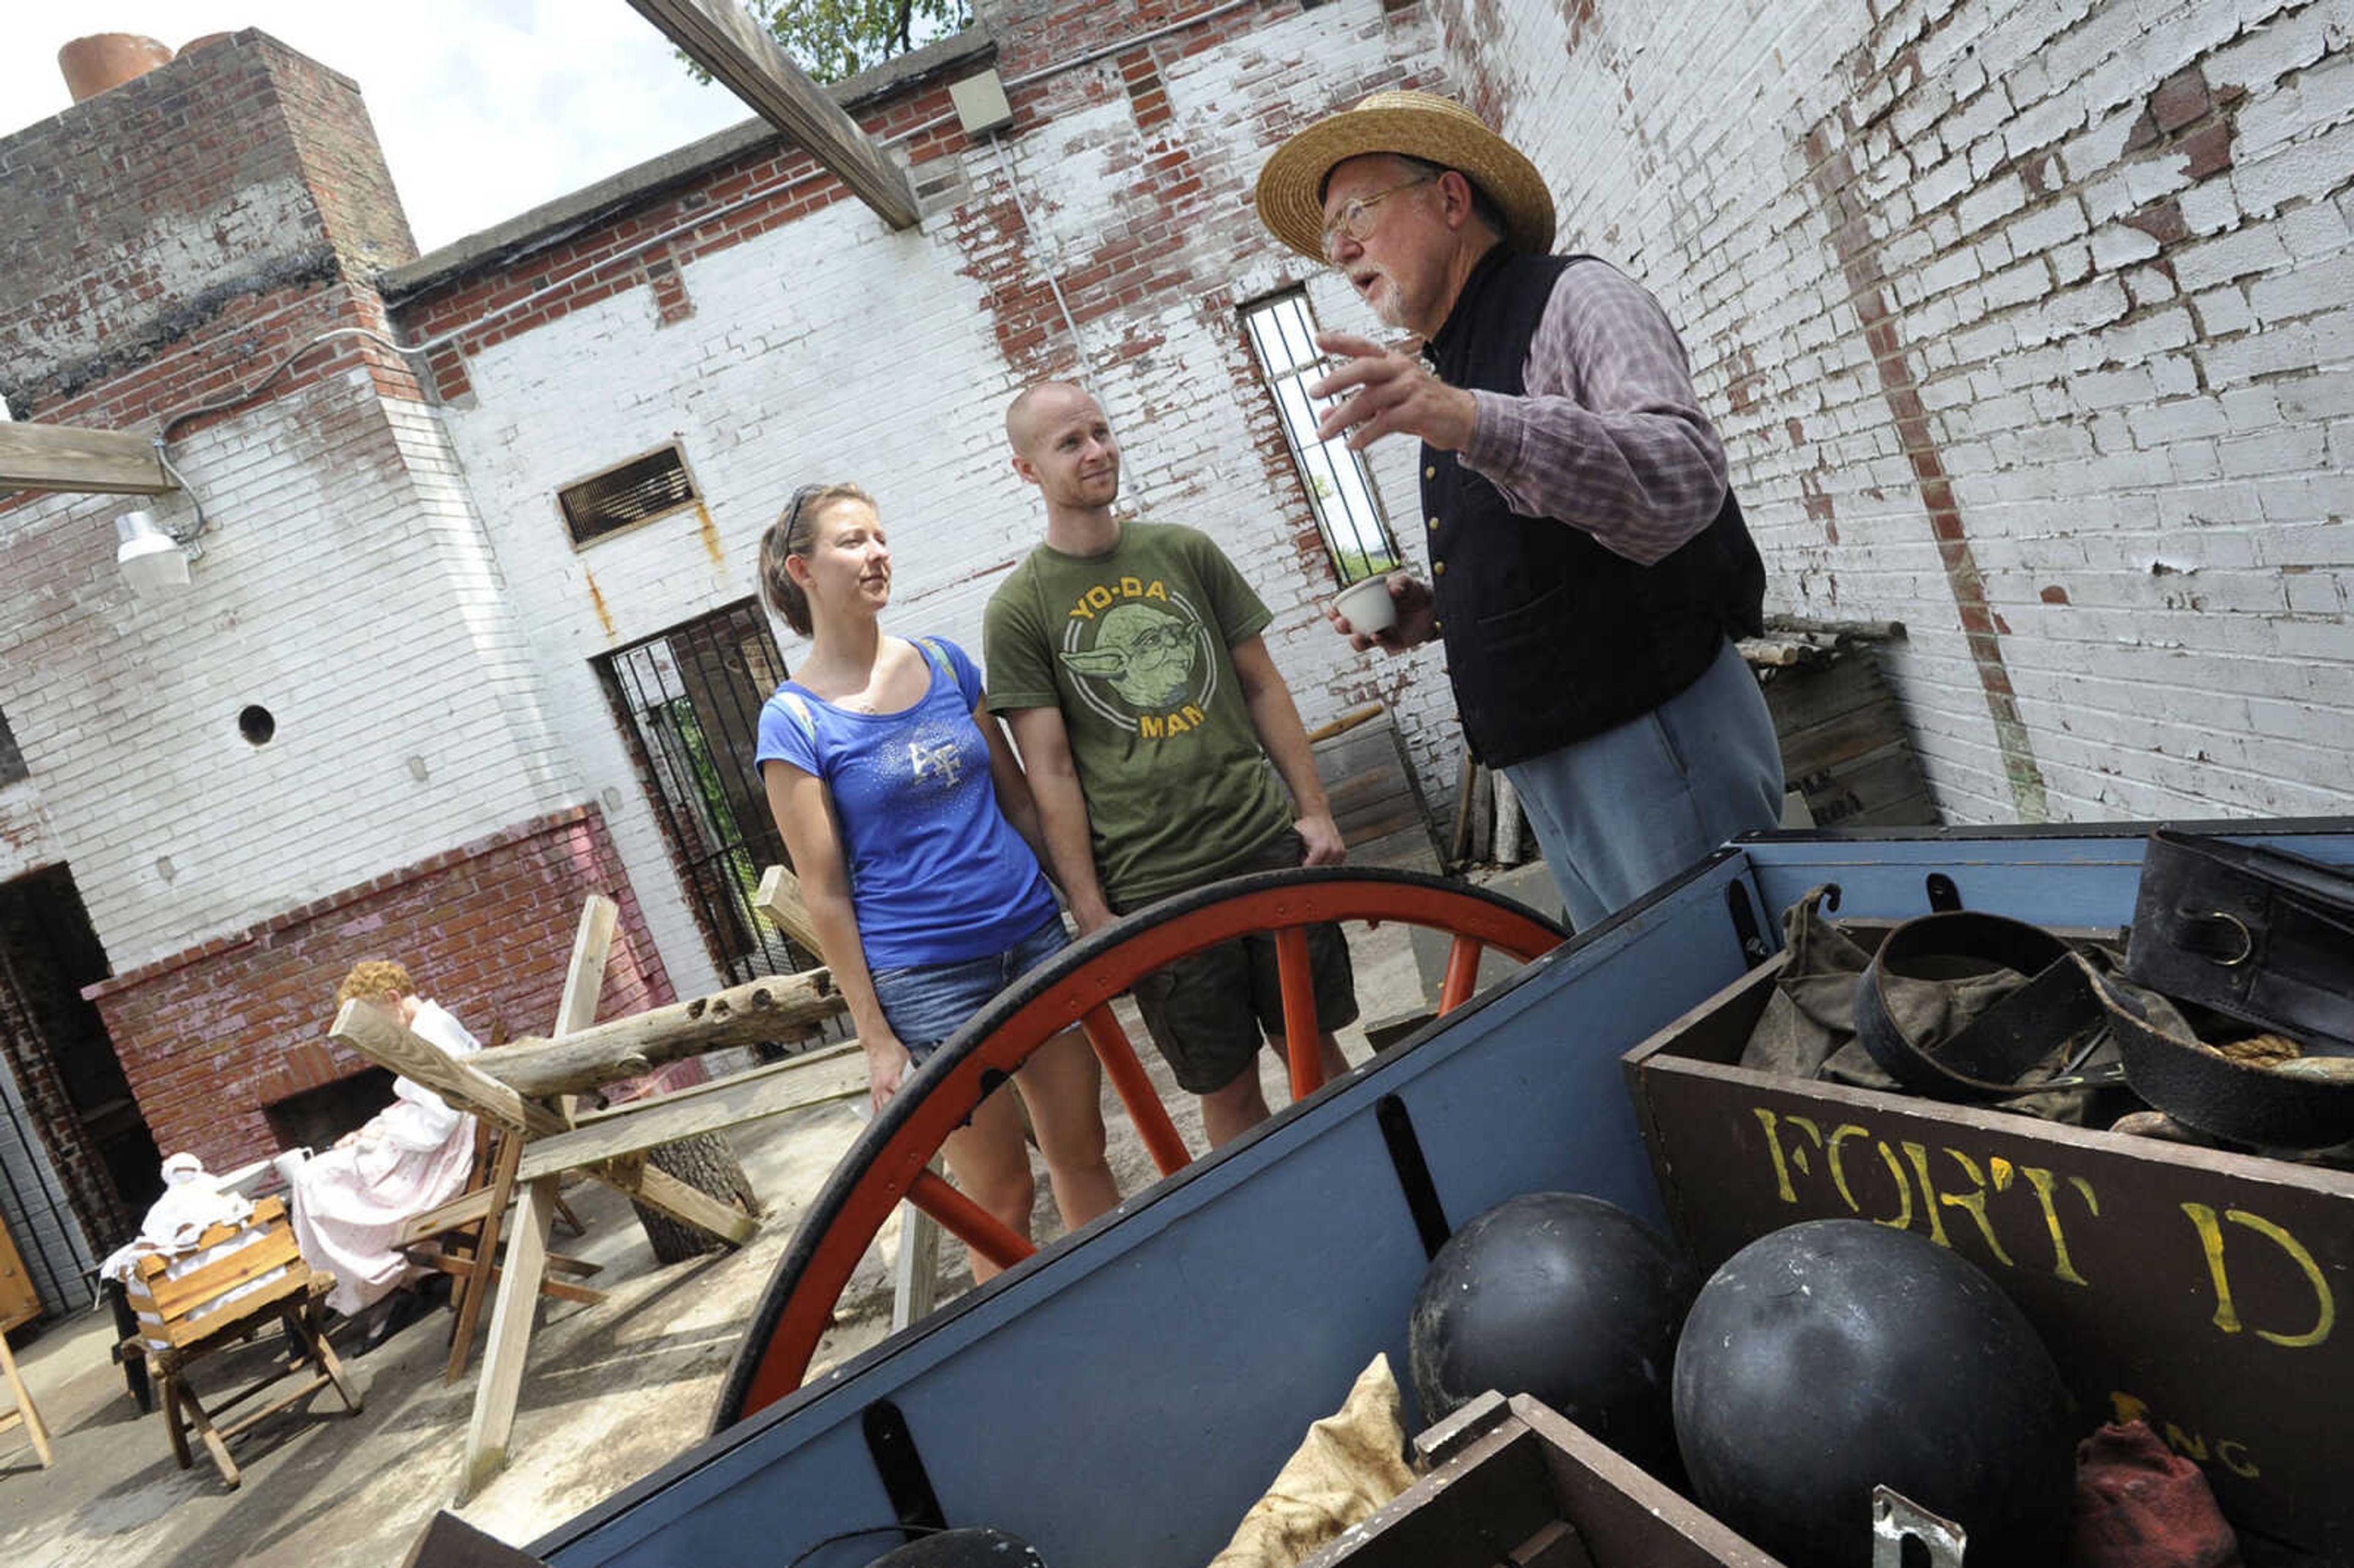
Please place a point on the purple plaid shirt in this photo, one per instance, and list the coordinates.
(1610, 436)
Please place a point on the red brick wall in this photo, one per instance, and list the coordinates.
(210, 1036)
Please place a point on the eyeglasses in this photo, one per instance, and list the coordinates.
(1356, 219)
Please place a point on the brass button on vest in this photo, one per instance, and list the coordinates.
(1438, 569)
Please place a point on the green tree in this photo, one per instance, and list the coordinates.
(835, 38)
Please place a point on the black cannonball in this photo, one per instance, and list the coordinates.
(979, 1547)
(1563, 1296)
(1837, 1355)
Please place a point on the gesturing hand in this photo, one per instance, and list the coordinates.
(1391, 393)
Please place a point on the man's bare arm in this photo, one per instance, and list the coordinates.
(1045, 747)
(1276, 720)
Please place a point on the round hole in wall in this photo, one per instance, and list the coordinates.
(256, 725)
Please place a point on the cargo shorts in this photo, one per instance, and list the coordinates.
(1209, 1012)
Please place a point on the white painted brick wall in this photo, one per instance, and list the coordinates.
(2174, 468)
(353, 599)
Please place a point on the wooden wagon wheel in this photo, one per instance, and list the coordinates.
(891, 1158)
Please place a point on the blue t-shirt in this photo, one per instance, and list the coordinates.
(937, 873)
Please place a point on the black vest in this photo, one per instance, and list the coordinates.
(1550, 637)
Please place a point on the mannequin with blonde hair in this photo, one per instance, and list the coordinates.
(350, 1202)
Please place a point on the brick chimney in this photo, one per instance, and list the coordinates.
(151, 214)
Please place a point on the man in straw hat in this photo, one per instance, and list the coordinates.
(1589, 567)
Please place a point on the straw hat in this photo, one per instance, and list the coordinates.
(1418, 125)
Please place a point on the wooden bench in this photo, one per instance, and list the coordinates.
(190, 1306)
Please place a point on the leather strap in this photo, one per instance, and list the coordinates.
(1986, 1059)
(2262, 935)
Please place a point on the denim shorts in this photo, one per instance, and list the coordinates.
(925, 1003)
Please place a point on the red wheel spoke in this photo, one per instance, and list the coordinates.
(968, 1221)
(1462, 975)
(798, 1307)
(1300, 1032)
(1162, 1139)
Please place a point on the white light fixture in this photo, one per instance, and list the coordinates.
(152, 561)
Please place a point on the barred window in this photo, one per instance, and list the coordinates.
(1339, 488)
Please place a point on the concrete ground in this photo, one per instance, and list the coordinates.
(611, 1392)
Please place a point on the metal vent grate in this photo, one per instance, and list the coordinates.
(637, 492)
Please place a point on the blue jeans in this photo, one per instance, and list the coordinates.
(1620, 813)
(925, 1003)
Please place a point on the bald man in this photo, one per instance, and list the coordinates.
(1127, 658)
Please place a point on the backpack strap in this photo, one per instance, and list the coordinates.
(936, 656)
(802, 715)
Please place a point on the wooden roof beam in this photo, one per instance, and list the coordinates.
(91, 462)
(720, 38)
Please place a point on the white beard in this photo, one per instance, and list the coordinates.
(1383, 300)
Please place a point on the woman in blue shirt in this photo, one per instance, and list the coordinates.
(894, 787)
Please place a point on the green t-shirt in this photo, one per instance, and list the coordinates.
(1134, 647)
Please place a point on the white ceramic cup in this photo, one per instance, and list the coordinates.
(1367, 607)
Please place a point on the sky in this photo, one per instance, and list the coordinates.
(485, 108)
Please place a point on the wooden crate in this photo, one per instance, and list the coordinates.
(180, 1299)
(1844, 745)
(2203, 1289)
(1513, 1482)
(1375, 800)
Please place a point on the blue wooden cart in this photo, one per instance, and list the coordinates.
(1122, 1397)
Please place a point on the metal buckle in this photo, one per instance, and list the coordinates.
(2247, 939)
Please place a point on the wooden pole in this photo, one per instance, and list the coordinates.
(510, 1315)
(778, 1007)
(745, 57)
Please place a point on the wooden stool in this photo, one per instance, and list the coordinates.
(237, 1279)
(23, 1414)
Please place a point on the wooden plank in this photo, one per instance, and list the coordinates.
(465, 1270)
(381, 1038)
(584, 977)
(741, 54)
(780, 899)
(821, 1077)
(1408, 849)
(493, 1421)
(1840, 739)
(652, 1184)
(85, 462)
(768, 1009)
(494, 1397)
(1346, 722)
(915, 1272)
(23, 1414)
(172, 1296)
(183, 1331)
(461, 1210)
